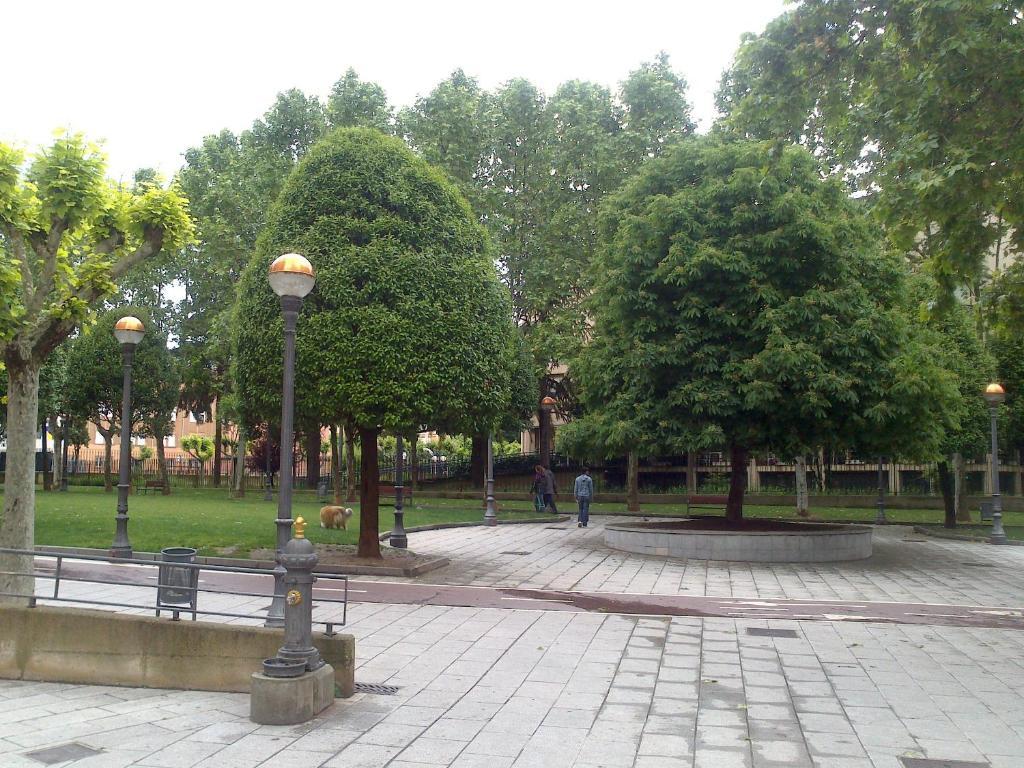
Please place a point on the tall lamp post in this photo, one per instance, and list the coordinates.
(490, 513)
(129, 331)
(292, 277)
(546, 405)
(398, 538)
(994, 395)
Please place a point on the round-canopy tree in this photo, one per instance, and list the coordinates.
(408, 323)
(740, 300)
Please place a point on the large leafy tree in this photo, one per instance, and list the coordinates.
(67, 236)
(919, 103)
(743, 302)
(357, 103)
(408, 323)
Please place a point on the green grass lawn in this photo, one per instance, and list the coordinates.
(209, 521)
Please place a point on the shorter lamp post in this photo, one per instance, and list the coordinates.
(546, 405)
(129, 331)
(490, 513)
(292, 277)
(994, 396)
(399, 539)
(880, 517)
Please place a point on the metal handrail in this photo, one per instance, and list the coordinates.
(57, 576)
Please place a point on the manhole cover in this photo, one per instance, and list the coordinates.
(933, 762)
(513, 553)
(979, 565)
(62, 753)
(762, 632)
(377, 688)
(555, 528)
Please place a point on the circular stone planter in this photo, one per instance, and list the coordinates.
(756, 541)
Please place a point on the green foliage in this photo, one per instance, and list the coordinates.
(198, 446)
(144, 453)
(1004, 303)
(741, 300)
(395, 248)
(357, 104)
(93, 392)
(67, 235)
(918, 102)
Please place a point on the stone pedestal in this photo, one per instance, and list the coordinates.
(291, 700)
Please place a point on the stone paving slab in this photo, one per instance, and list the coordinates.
(488, 687)
(905, 567)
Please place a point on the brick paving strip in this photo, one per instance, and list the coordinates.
(402, 593)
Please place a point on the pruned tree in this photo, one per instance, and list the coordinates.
(67, 236)
(395, 247)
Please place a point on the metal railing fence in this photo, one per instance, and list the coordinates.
(59, 576)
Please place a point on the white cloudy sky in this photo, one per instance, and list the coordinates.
(152, 77)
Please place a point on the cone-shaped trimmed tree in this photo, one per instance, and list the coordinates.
(408, 323)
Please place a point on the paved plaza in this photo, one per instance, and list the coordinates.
(481, 686)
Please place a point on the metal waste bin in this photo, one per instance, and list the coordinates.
(176, 586)
(986, 511)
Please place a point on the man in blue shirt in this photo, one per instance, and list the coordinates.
(584, 492)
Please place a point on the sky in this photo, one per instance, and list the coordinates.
(150, 79)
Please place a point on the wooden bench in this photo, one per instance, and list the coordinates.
(706, 502)
(389, 490)
(151, 485)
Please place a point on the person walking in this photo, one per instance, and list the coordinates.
(584, 492)
(547, 488)
(538, 488)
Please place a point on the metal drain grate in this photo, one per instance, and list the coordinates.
(63, 753)
(377, 688)
(514, 553)
(980, 565)
(762, 632)
(932, 762)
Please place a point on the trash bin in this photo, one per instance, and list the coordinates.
(176, 585)
(986, 511)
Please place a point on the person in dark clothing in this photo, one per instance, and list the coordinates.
(538, 489)
(547, 487)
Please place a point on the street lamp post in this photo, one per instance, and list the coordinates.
(129, 331)
(546, 404)
(399, 539)
(490, 513)
(64, 454)
(268, 493)
(880, 517)
(292, 277)
(994, 395)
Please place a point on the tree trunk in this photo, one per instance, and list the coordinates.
(350, 462)
(369, 495)
(739, 457)
(47, 477)
(161, 463)
(691, 472)
(57, 445)
(108, 456)
(478, 461)
(335, 466)
(948, 499)
(313, 457)
(801, 486)
(218, 435)
(240, 462)
(963, 514)
(632, 482)
(414, 464)
(17, 529)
